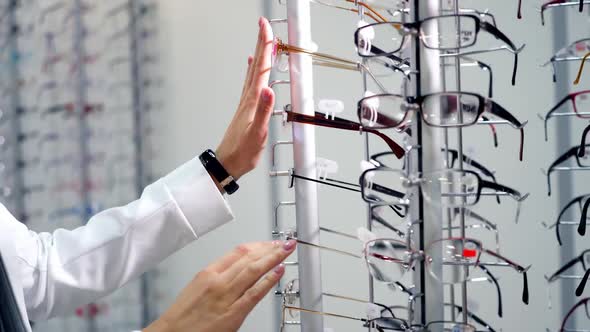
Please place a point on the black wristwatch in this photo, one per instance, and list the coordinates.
(214, 167)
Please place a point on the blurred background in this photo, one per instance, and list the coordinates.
(100, 98)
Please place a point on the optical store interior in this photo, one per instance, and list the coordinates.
(428, 158)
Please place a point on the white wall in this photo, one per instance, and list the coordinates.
(204, 54)
(205, 49)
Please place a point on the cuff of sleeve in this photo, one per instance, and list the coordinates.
(197, 196)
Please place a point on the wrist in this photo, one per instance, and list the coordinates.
(228, 163)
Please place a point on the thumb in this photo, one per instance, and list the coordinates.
(265, 107)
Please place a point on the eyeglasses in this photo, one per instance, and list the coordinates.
(321, 120)
(459, 309)
(291, 293)
(383, 159)
(581, 223)
(372, 12)
(583, 162)
(390, 37)
(573, 52)
(399, 210)
(582, 304)
(561, 3)
(577, 81)
(456, 188)
(584, 259)
(377, 67)
(444, 109)
(580, 102)
(389, 259)
(381, 324)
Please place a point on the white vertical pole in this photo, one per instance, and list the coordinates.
(308, 229)
(427, 157)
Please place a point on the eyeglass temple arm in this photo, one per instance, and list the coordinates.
(500, 35)
(378, 51)
(501, 112)
(476, 216)
(571, 152)
(488, 68)
(582, 151)
(388, 225)
(583, 218)
(326, 248)
(320, 120)
(547, 5)
(325, 183)
(555, 108)
(577, 81)
(564, 268)
(473, 316)
(324, 313)
(497, 285)
(520, 269)
(501, 188)
(562, 213)
(582, 285)
(565, 319)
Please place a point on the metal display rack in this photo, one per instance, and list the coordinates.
(429, 73)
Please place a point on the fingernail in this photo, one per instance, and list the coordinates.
(265, 96)
(260, 20)
(289, 245)
(276, 243)
(280, 269)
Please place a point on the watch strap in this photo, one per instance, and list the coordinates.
(218, 172)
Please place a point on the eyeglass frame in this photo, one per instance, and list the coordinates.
(414, 28)
(568, 265)
(321, 120)
(486, 105)
(572, 152)
(481, 184)
(570, 97)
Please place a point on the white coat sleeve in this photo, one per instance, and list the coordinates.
(63, 270)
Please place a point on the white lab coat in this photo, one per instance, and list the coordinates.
(52, 274)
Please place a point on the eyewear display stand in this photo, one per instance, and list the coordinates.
(304, 156)
(425, 155)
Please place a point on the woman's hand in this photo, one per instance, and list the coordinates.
(220, 297)
(245, 138)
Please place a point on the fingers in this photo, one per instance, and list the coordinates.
(252, 296)
(249, 254)
(228, 260)
(262, 60)
(263, 113)
(248, 75)
(260, 42)
(255, 270)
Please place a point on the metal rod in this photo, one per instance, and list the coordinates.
(304, 153)
(449, 213)
(426, 63)
(17, 189)
(137, 78)
(460, 152)
(565, 182)
(367, 156)
(569, 169)
(81, 100)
